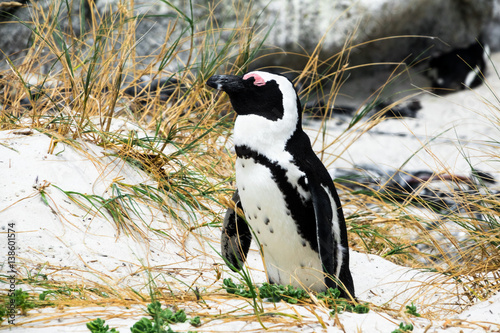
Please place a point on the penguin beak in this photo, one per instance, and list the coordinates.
(227, 83)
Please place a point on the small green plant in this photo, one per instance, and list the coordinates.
(97, 326)
(161, 318)
(236, 289)
(23, 301)
(276, 292)
(144, 325)
(165, 315)
(329, 296)
(412, 309)
(196, 321)
(271, 292)
(289, 294)
(343, 305)
(338, 305)
(403, 328)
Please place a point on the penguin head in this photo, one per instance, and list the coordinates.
(259, 93)
(268, 109)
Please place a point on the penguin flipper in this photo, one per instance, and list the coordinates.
(236, 237)
(327, 245)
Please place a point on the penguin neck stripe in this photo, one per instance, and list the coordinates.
(247, 152)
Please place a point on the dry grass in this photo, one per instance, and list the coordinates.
(72, 89)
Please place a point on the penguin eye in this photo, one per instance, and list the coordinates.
(258, 80)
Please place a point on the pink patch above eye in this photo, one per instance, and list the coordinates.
(259, 81)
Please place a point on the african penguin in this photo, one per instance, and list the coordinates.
(459, 68)
(287, 195)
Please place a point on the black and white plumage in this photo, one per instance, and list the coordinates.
(287, 195)
(460, 68)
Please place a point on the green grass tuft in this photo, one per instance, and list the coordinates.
(98, 326)
(159, 323)
(412, 310)
(403, 328)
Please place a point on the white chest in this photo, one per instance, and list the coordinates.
(289, 259)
